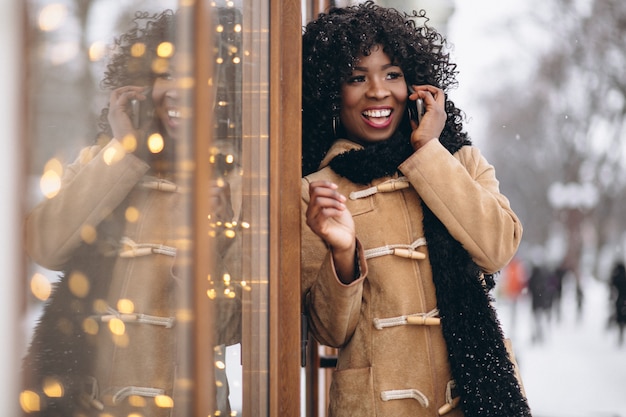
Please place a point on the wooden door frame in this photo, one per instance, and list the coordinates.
(285, 174)
(284, 208)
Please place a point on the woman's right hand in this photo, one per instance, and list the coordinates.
(329, 218)
(119, 110)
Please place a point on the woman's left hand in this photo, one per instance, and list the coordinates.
(434, 119)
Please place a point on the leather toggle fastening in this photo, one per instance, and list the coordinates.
(400, 250)
(384, 187)
(423, 321)
(132, 249)
(452, 399)
(420, 319)
(408, 253)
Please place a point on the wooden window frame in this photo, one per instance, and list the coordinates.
(284, 209)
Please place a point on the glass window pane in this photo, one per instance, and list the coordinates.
(110, 204)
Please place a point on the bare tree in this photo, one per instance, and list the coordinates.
(561, 139)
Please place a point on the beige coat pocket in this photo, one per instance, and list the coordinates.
(352, 393)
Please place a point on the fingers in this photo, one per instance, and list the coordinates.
(429, 93)
(433, 122)
(325, 200)
(128, 92)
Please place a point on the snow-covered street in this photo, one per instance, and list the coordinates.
(579, 370)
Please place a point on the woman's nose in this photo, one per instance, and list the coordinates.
(377, 90)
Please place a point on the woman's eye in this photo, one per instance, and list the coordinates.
(394, 75)
(356, 79)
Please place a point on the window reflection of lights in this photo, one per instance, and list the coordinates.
(111, 155)
(97, 51)
(50, 183)
(222, 103)
(100, 306)
(186, 82)
(129, 143)
(230, 158)
(219, 28)
(88, 233)
(236, 60)
(91, 326)
(52, 17)
(165, 49)
(160, 65)
(137, 401)
(220, 60)
(237, 28)
(132, 214)
(155, 143)
(78, 284)
(230, 4)
(163, 401)
(125, 306)
(30, 401)
(245, 225)
(40, 287)
(54, 165)
(220, 365)
(230, 234)
(138, 49)
(53, 388)
(117, 326)
(212, 294)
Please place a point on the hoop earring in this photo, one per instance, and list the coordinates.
(336, 125)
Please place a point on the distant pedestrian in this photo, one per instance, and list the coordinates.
(618, 289)
(542, 295)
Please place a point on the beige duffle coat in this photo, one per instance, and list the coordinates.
(387, 365)
(106, 189)
(103, 189)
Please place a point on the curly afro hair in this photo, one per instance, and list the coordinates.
(335, 40)
(134, 59)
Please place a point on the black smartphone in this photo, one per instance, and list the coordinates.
(416, 108)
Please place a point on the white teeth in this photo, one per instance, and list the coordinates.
(377, 113)
(173, 113)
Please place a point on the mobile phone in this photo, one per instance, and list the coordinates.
(416, 108)
(141, 111)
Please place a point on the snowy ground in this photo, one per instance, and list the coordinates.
(579, 370)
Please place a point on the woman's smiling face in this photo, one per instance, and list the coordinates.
(373, 99)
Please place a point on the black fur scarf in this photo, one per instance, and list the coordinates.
(479, 361)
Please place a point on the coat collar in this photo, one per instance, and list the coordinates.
(338, 147)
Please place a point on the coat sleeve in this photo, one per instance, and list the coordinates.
(91, 188)
(463, 192)
(333, 308)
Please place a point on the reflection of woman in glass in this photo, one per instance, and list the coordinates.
(107, 338)
(403, 220)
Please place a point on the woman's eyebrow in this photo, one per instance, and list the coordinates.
(366, 69)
